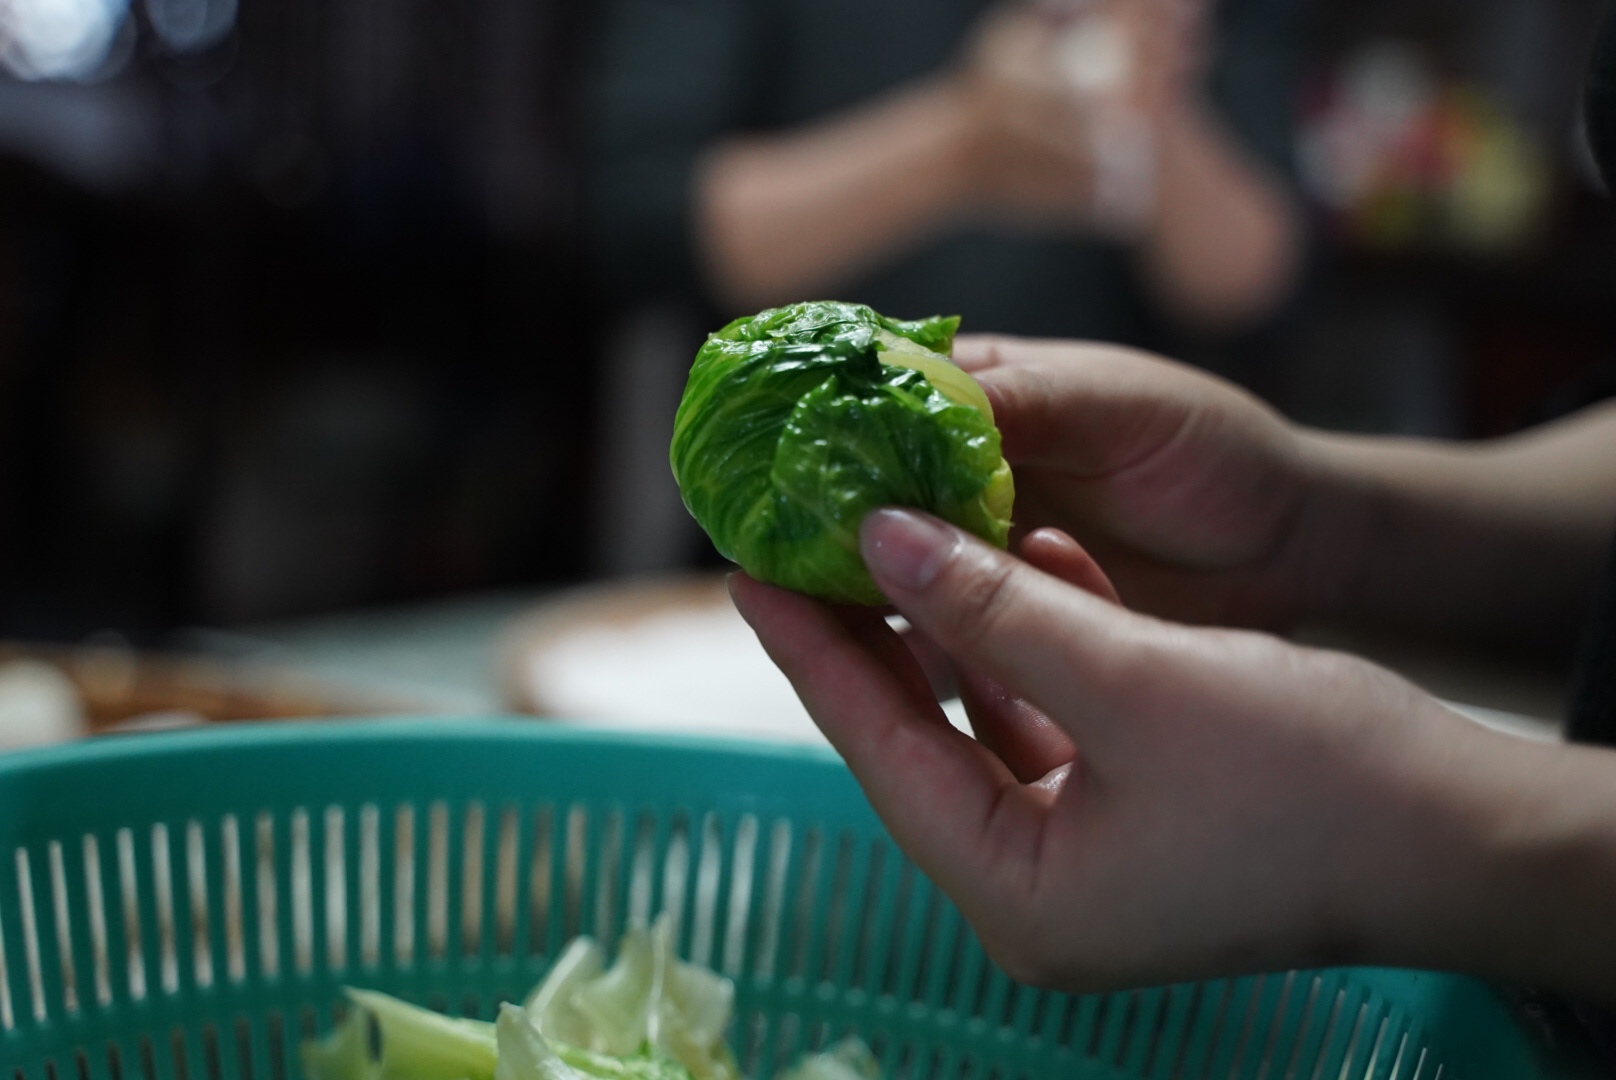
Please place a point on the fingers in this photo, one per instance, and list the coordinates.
(1058, 555)
(1031, 745)
(1021, 627)
(934, 662)
(947, 800)
(1087, 409)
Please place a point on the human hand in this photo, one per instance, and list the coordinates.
(1148, 802)
(1039, 84)
(1200, 502)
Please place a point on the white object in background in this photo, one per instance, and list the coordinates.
(682, 669)
(39, 706)
(1097, 59)
(678, 657)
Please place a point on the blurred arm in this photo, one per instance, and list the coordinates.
(782, 216)
(1223, 245)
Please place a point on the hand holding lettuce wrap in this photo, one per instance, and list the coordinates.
(799, 421)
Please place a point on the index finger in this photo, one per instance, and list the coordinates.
(948, 801)
(1077, 657)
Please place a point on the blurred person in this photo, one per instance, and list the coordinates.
(1154, 794)
(1062, 168)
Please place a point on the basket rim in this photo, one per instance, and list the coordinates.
(323, 732)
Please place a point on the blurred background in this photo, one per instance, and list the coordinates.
(313, 310)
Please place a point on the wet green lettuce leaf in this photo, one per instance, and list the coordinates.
(798, 421)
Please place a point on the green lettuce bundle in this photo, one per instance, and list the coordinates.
(798, 421)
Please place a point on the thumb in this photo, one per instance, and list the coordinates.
(1069, 652)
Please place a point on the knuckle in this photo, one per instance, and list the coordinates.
(985, 593)
(1132, 662)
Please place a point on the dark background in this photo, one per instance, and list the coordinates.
(294, 315)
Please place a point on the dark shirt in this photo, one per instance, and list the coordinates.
(1593, 706)
(673, 77)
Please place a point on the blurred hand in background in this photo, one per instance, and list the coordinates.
(1084, 120)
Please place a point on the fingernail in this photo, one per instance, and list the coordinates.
(905, 549)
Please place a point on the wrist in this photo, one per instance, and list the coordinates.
(1513, 874)
(1340, 510)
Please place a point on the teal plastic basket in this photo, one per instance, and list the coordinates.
(187, 907)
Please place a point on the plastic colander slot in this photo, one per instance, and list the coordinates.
(788, 1035)
(675, 873)
(370, 886)
(1338, 1030)
(474, 828)
(62, 921)
(404, 876)
(743, 884)
(1354, 1042)
(1400, 1055)
(506, 879)
(336, 890)
(1274, 1021)
(196, 865)
(872, 931)
(641, 869)
(540, 877)
(96, 917)
(30, 934)
(1237, 1032)
(706, 892)
(302, 893)
(235, 917)
(437, 880)
(832, 926)
(612, 850)
(772, 912)
(574, 867)
(8, 1015)
(802, 885)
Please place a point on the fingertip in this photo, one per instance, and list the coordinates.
(977, 352)
(775, 614)
(1056, 553)
(905, 549)
(745, 592)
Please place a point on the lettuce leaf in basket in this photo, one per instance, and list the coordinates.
(550, 1003)
(384, 1038)
(849, 1059)
(648, 997)
(649, 1016)
(525, 1054)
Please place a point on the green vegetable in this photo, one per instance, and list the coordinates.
(414, 1044)
(648, 997)
(799, 421)
(525, 1054)
(849, 1059)
(650, 1016)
